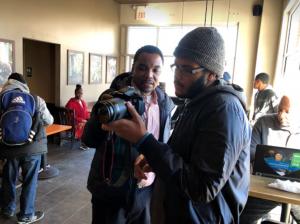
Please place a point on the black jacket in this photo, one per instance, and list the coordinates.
(203, 172)
(94, 136)
(265, 102)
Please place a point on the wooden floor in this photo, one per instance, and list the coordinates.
(64, 198)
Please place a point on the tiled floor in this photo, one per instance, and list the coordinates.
(64, 198)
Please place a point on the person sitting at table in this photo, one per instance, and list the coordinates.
(81, 113)
(281, 130)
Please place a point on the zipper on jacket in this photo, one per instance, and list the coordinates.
(181, 115)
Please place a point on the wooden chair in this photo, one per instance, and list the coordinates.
(67, 117)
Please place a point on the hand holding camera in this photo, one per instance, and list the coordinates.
(132, 130)
(125, 103)
(113, 106)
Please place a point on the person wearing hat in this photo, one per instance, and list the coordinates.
(203, 171)
(26, 156)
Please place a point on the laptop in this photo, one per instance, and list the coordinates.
(277, 162)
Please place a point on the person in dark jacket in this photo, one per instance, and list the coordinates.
(28, 157)
(130, 202)
(203, 172)
(265, 100)
(277, 130)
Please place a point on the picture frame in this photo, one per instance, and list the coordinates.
(95, 68)
(111, 68)
(75, 67)
(7, 59)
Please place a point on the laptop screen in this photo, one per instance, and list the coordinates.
(277, 162)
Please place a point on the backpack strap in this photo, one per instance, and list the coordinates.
(1, 100)
(35, 120)
(35, 97)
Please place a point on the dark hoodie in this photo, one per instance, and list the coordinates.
(203, 171)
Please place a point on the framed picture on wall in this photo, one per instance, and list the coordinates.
(75, 67)
(95, 69)
(7, 59)
(111, 68)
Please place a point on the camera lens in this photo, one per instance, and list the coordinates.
(111, 110)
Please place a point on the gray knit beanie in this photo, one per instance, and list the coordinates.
(205, 46)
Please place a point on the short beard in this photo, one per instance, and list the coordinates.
(146, 90)
(196, 88)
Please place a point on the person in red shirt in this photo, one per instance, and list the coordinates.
(81, 114)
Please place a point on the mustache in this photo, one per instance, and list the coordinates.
(178, 83)
(148, 80)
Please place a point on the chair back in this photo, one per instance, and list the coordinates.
(66, 117)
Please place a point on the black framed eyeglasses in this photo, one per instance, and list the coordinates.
(185, 71)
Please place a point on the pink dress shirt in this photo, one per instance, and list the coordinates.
(151, 120)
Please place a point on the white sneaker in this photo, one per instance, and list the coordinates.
(38, 215)
(83, 147)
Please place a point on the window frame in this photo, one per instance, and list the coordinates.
(126, 35)
(287, 54)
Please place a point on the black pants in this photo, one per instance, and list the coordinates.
(255, 209)
(139, 212)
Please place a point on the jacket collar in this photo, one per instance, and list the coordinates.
(221, 86)
(14, 84)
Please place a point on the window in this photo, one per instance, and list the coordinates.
(7, 59)
(140, 36)
(291, 71)
(166, 38)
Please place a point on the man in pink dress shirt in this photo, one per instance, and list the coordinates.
(129, 203)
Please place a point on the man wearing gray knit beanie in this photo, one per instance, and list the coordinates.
(203, 172)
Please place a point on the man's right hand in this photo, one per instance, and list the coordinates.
(141, 167)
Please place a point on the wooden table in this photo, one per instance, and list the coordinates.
(51, 171)
(55, 128)
(259, 188)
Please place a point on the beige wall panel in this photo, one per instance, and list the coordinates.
(89, 26)
(269, 38)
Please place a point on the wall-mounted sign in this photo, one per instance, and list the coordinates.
(29, 72)
(141, 13)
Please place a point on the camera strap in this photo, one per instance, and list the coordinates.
(116, 161)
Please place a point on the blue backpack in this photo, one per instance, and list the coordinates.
(18, 112)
